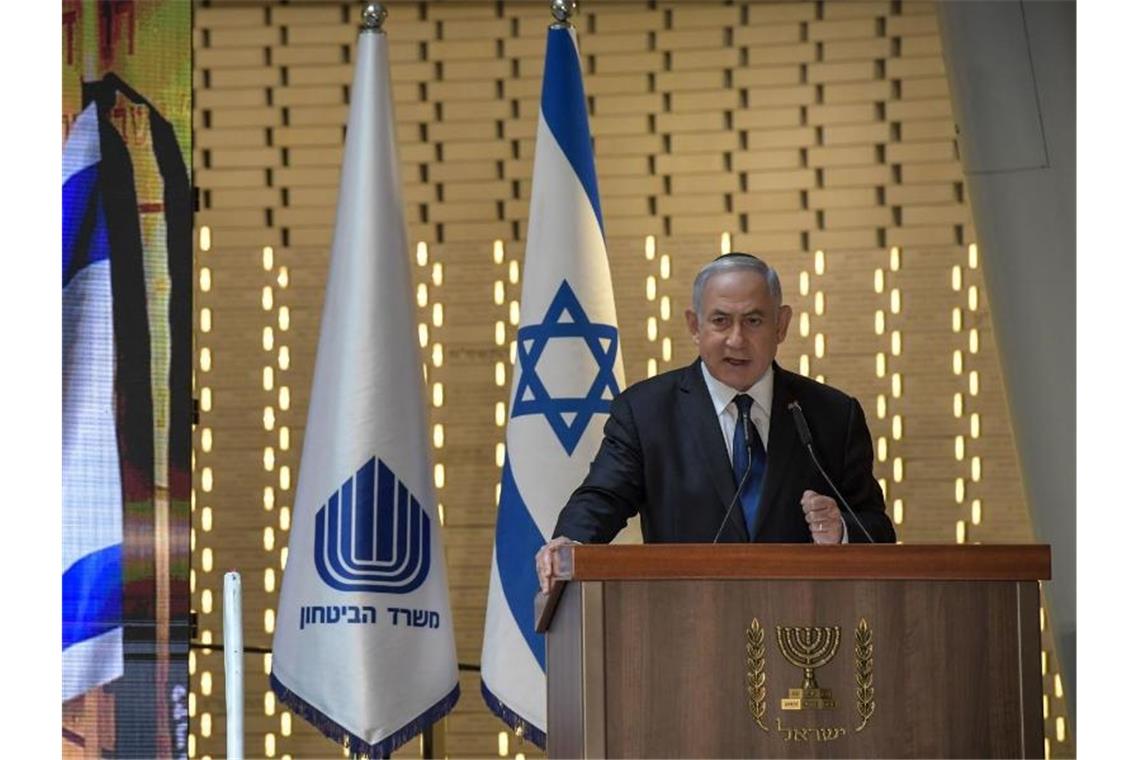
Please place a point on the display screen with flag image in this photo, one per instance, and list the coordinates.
(364, 647)
(568, 371)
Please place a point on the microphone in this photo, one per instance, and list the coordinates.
(805, 437)
(739, 488)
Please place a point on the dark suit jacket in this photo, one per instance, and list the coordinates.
(664, 456)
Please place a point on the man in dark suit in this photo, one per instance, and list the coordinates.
(679, 446)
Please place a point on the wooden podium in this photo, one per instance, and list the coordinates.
(739, 650)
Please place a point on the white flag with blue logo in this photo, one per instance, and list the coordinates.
(92, 483)
(568, 370)
(364, 648)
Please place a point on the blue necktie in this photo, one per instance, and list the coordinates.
(750, 494)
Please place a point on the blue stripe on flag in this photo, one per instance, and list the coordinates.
(517, 540)
(84, 227)
(564, 108)
(93, 595)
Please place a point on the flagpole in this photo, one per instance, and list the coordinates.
(372, 17)
(562, 10)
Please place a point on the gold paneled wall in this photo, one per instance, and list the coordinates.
(816, 135)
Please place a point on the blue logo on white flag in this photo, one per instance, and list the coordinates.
(372, 535)
(568, 415)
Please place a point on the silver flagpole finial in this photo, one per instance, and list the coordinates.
(562, 10)
(372, 17)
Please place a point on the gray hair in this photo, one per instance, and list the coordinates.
(734, 262)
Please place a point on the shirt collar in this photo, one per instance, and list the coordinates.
(722, 395)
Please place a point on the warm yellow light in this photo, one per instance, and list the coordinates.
(1044, 662)
(422, 330)
(650, 288)
(205, 320)
(267, 258)
(976, 469)
(269, 703)
(421, 253)
(819, 304)
(896, 427)
(819, 263)
(286, 723)
(959, 490)
(881, 406)
(975, 425)
(207, 519)
(499, 294)
(439, 511)
(882, 449)
(896, 301)
(958, 404)
(1058, 692)
(267, 378)
(437, 273)
(651, 328)
(270, 620)
(899, 512)
(496, 252)
(880, 322)
(725, 243)
(500, 454)
(667, 349)
(437, 395)
(207, 601)
(207, 440)
(956, 278)
(500, 413)
(972, 255)
(960, 532)
(207, 479)
(268, 539)
(206, 399)
(651, 367)
(267, 338)
(283, 358)
(513, 272)
(422, 295)
(896, 343)
(805, 283)
(880, 364)
(205, 359)
(959, 448)
(896, 385)
(283, 277)
(500, 332)
(283, 438)
(956, 319)
(204, 279)
(207, 559)
(513, 351)
(819, 345)
(268, 418)
(1060, 728)
(957, 362)
(283, 398)
(805, 365)
(500, 373)
(205, 725)
(504, 745)
(895, 258)
(974, 382)
(972, 298)
(666, 267)
(805, 324)
(880, 281)
(976, 511)
(440, 476)
(974, 340)
(284, 478)
(436, 355)
(437, 314)
(284, 518)
(1045, 706)
(267, 458)
(266, 298)
(269, 579)
(437, 437)
(204, 238)
(897, 470)
(284, 561)
(666, 308)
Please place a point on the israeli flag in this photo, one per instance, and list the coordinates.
(364, 648)
(568, 370)
(92, 485)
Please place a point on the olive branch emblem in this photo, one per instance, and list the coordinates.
(864, 692)
(757, 678)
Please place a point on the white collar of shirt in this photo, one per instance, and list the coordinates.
(722, 396)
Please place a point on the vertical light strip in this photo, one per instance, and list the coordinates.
(652, 326)
(815, 306)
(964, 323)
(505, 297)
(202, 576)
(430, 309)
(888, 321)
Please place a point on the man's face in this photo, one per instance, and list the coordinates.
(739, 328)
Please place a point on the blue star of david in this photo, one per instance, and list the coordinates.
(532, 396)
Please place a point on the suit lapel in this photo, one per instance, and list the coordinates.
(697, 410)
(783, 453)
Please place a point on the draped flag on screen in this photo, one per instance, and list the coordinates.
(92, 485)
(364, 648)
(568, 370)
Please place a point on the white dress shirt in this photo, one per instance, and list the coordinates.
(761, 412)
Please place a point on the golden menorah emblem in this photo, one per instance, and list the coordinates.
(810, 648)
